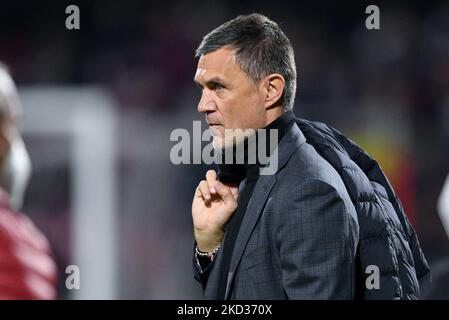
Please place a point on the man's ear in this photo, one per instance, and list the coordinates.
(274, 88)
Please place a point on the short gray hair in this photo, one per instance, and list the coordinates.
(262, 49)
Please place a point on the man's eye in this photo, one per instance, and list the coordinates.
(218, 87)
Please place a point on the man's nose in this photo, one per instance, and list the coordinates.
(206, 104)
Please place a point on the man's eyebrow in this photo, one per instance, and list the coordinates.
(211, 81)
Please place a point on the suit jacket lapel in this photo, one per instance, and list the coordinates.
(291, 141)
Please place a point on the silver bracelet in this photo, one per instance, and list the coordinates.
(210, 254)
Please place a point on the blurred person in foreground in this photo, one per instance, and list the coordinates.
(326, 224)
(27, 270)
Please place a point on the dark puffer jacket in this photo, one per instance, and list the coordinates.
(387, 239)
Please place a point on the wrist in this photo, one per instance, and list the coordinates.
(209, 255)
(208, 241)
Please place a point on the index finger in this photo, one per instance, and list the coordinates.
(211, 177)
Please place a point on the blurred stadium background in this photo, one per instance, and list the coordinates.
(100, 103)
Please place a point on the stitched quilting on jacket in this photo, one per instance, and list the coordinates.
(387, 239)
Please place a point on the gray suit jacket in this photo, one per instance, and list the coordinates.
(299, 235)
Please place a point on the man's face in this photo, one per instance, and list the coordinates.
(230, 100)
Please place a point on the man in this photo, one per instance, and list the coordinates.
(27, 270)
(295, 233)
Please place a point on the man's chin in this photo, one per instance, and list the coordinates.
(219, 143)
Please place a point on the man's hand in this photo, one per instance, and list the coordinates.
(213, 204)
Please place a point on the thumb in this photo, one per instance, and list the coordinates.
(225, 193)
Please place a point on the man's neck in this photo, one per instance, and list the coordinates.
(273, 114)
(237, 171)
